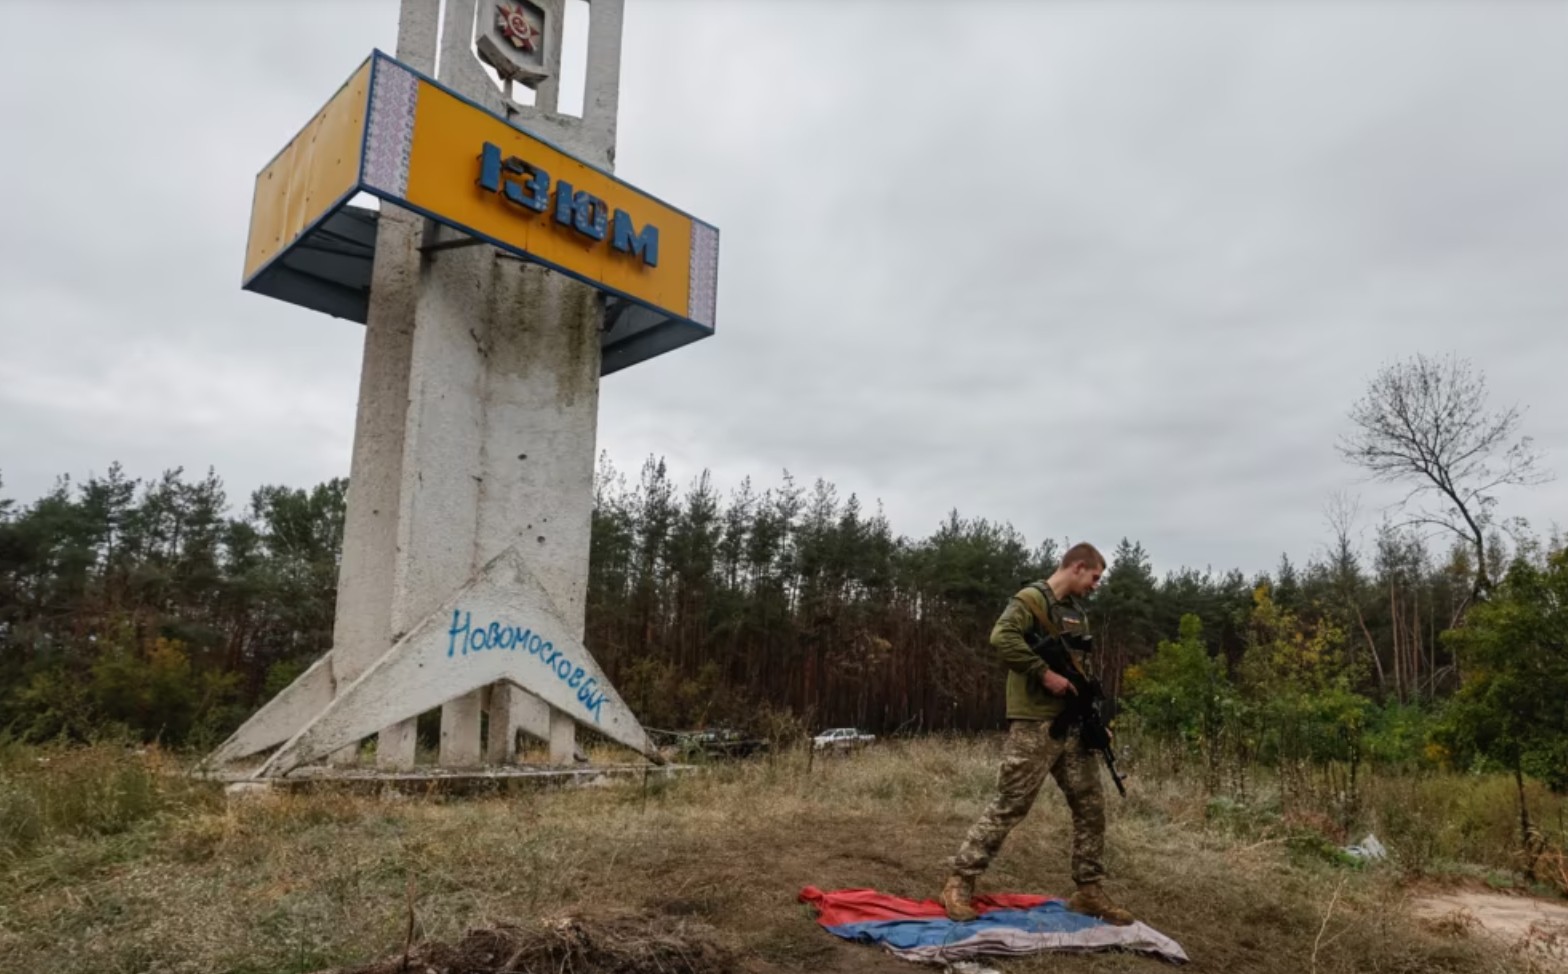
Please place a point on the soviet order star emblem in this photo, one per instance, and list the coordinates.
(514, 25)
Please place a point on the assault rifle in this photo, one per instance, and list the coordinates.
(1083, 705)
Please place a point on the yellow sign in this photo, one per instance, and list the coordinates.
(395, 134)
(313, 175)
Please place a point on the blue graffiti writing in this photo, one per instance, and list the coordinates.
(465, 637)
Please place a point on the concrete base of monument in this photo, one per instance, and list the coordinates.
(438, 781)
(499, 638)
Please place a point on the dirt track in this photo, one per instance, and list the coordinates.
(1526, 924)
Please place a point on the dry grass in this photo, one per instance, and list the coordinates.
(571, 945)
(300, 883)
(1443, 823)
(1436, 825)
(55, 793)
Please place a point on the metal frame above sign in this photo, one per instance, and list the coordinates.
(396, 134)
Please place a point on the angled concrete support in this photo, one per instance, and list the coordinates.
(282, 716)
(501, 626)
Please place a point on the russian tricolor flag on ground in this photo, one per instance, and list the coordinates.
(1009, 923)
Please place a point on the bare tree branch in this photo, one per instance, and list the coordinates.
(1425, 422)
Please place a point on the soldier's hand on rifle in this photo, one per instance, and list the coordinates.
(1056, 683)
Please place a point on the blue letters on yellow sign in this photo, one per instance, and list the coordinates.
(582, 211)
(628, 240)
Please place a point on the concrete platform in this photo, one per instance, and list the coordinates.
(439, 781)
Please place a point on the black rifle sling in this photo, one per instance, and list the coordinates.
(1044, 619)
(1073, 712)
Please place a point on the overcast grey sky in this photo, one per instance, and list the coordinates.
(1097, 270)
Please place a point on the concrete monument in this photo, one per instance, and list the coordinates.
(505, 271)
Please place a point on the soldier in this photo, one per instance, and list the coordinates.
(1035, 695)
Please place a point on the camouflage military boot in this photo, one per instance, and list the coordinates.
(956, 896)
(1091, 900)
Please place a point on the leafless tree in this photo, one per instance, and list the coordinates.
(1425, 421)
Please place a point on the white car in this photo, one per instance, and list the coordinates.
(844, 737)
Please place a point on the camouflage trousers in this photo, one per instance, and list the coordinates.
(1028, 756)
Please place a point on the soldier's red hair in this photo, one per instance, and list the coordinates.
(1083, 553)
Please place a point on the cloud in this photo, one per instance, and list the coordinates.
(1097, 270)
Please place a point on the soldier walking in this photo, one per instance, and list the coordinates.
(1035, 696)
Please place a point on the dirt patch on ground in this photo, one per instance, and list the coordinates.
(1533, 928)
(635, 944)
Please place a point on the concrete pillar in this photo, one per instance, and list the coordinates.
(563, 739)
(511, 710)
(500, 735)
(502, 390)
(530, 715)
(362, 630)
(499, 442)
